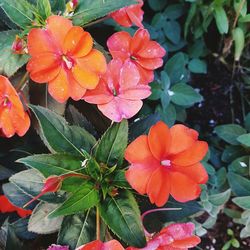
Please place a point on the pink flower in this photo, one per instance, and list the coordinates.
(119, 92)
(144, 53)
(98, 245)
(58, 247)
(130, 15)
(173, 237)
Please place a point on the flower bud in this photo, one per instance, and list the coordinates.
(19, 46)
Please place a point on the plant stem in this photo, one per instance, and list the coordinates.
(22, 82)
(98, 233)
(238, 13)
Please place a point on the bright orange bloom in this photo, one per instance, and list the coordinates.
(167, 161)
(63, 56)
(130, 15)
(98, 245)
(13, 118)
(7, 207)
(173, 237)
(140, 50)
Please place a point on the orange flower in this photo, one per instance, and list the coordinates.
(130, 15)
(63, 56)
(173, 237)
(169, 162)
(7, 207)
(13, 118)
(98, 245)
(140, 50)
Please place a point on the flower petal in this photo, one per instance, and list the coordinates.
(192, 155)
(135, 14)
(121, 17)
(129, 75)
(150, 63)
(182, 188)
(135, 93)
(146, 75)
(58, 27)
(21, 124)
(77, 42)
(152, 50)
(40, 41)
(99, 95)
(119, 109)
(6, 124)
(196, 172)
(44, 67)
(182, 138)
(159, 140)
(134, 176)
(186, 243)
(75, 89)
(138, 151)
(139, 41)
(158, 187)
(119, 42)
(59, 87)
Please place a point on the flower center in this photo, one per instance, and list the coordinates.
(68, 62)
(6, 103)
(133, 58)
(166, 163)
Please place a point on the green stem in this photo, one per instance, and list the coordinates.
(98, 232)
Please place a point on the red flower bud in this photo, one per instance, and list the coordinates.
(19, 46)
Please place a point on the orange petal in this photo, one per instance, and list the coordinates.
(58, 27)
(197, 172)
(182, 188)
(21, 123)
(150, 63)
(134, 176)
(158, 187)
(121, 17)
(186, 243)
(119, 42)
(112, 245)
(182, 138)
(44, 67)
(59, 87)
(40, 41)
(135, 14)
(159, 140)
(6, 123)
(192, 155)
(146, 75)
(77, 42)
(138, 151)
(139, 41)
(76, 90)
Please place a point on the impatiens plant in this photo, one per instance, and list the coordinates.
(87, 180)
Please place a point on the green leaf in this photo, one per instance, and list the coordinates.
(184, 95)
(231, 152)
(174, 11)
(119, 180)
(31, 183)
(142, 126)
(122, 215)
(40, 223)
(57, 164)
(239, 42)
(10, 62)
(168, 115)
(221, 19)
(245, 19)
(239, 185)
(197, 66)
(241, 166)
(19, 12)
(44, 8)
(247, 122)
(4, 173)
(156, 90)
(110, 149)
(230, 132)
(89, 10)
(77, 229)
(175, 67)
(221, 198)
(58, 136)
(85, 197)
(172, 30)
(244, 140)
(157, 5)
(243, 202)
